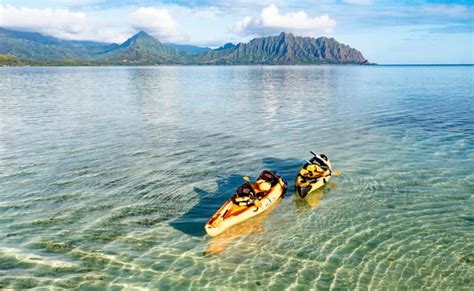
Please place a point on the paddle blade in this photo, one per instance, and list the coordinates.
(247, 179)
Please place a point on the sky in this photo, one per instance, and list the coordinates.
(386, 32)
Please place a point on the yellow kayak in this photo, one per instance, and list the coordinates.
(250, 199)
(313, 175)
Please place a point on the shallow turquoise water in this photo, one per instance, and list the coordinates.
(107, 176)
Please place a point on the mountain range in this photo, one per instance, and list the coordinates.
(31, 48)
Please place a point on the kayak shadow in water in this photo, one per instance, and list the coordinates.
(193, 221)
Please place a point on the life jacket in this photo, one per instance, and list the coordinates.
(313, 171)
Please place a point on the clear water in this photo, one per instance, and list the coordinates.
(108, 175)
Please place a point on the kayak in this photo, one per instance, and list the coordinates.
(313, 175)
(250, 199)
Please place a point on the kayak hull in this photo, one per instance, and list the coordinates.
(231, 214)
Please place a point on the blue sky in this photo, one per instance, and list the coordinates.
(386, 32)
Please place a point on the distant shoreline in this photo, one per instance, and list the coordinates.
(227, 65)
(187, 65)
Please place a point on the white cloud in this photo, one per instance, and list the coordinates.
(79, 2)
(270, 21)
(209, 13)
(51, 20)
(156, 21)
(67, 24)
(358, 2)
(61, 23)
(154, 18)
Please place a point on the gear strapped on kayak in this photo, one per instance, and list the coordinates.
(313, 171)
(247, 195)
(244, 196)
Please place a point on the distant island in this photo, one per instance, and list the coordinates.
(34, 49)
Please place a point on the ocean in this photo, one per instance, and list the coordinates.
(108, 175)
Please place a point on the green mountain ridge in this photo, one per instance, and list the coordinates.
(31, 48)
(143, 49)
(286, 49)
